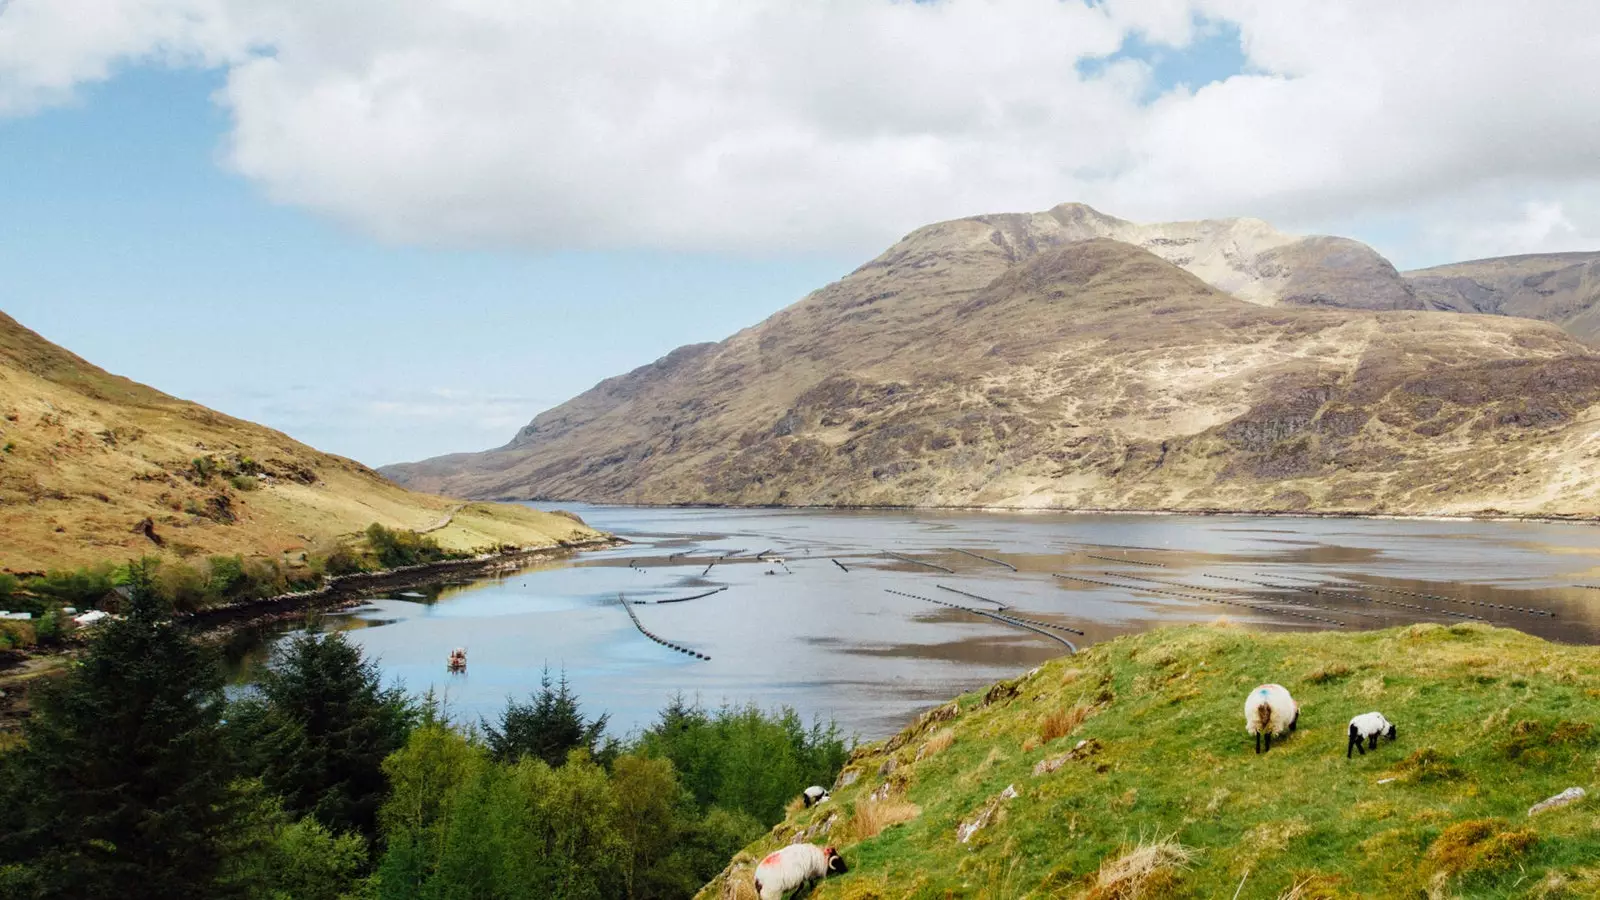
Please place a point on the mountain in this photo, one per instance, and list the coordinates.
(1561, 288)
(1024, 361)
(97, 468)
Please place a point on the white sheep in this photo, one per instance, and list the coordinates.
(1268, 711)
(814, 795)
(784, 870)
(1368, 727)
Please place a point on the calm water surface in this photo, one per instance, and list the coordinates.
(806, 632)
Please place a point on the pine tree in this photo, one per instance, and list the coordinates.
(320, 730)
(124, 785)
(548, 727)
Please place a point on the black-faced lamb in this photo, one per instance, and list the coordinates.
(785, 870)
(1270, 711)
(1368, 727)
(814, 795)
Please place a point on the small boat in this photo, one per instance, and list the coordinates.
(458, 660)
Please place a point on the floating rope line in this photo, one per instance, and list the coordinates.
(1347, 585)
(1009, 615)
(1356, 596)
(919, 562)
(730, 553)
(1132, 562)
(840, 565)
(1234, 593)
(1443, 599)
(680, 599)
(973, 596)
(647, 633)
(998, 562)
(1029, 625)
(1124, 547)
(1150, 590)
(708, 568)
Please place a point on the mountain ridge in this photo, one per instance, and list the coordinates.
(976, 363)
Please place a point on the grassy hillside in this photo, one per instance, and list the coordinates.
(1133, 776)
(94, 467)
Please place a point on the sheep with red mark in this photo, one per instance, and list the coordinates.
(795, 865)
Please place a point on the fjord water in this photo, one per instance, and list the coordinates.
(843, 645)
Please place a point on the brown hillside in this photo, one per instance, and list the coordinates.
(86, 457)
(973, 365)
(1560, 288)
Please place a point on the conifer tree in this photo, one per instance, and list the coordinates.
(124, 786)
(548, 727)
(320, 729)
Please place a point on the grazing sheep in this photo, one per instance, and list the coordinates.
(1268, 711)
(814, 795)
(797, 864)
(1368, 727)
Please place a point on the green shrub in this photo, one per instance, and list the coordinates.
(395, 547)
(741, 758)
(49, 629)
(243, 482)
(83, 588)
(201, 468)
(16, 634)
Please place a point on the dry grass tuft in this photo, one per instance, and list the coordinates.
(940, 741)
(1427, 765)
(871, 817)
(1058, 723)
(1148, 870)
(739, 885)
(1335, 672)
(1478, 845)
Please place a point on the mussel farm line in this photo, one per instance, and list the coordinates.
(1027, 624)
(628, 607)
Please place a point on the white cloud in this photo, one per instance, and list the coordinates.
(773, 126)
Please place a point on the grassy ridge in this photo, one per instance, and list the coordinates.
(1163, 795)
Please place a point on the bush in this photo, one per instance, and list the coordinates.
(741, 758)
(243, 482)
(395, 547)
(16, 634)
(49, 629)
(82, 588)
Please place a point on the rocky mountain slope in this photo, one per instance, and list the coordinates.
(1125, 771)
(1561, 288)
(97, 468)
(1020, 360)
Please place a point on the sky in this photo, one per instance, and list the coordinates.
(398, 228)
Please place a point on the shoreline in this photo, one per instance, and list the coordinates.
(338, 592)
(1202, 512)
(342, 591)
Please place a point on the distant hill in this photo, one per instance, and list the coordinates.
(94, 467)
(1026, 361)
(1560, 288)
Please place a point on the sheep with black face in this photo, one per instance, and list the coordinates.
(1367, 728)
(797, 864)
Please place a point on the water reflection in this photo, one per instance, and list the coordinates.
(813, 623)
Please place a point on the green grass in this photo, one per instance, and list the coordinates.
(1491, 721)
